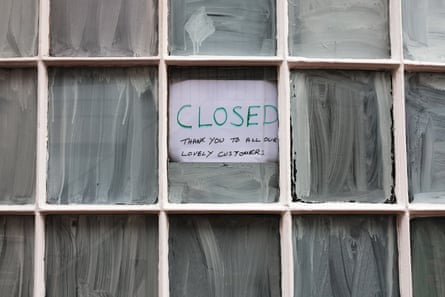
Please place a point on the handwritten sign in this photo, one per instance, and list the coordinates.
(223, 121)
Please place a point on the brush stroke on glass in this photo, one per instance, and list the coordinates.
(224, 255)
(223, 27)
(18, 28)
(102, 135)
(198, 182)
(341, 136)
(428, 257)
(425, 133)
(424, 30)
(104, 28)
(17, 256)
(339, 29)
(349, 256)
(18, 129)
(101, 255)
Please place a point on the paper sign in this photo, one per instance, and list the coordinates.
(223, 121)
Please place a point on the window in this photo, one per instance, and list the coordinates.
(338, 170)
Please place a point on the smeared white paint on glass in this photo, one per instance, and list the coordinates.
(17, 256)
(223, 183)
(424, 30)
(104, 28)
(427, 257)
(224, 255)
(227, 27)
(18, 128)
(425, 125)
(114, 255)
(102, 136)
(341, 136)
(339, 29)
(18, 28)
(220, 182)
(353, 256)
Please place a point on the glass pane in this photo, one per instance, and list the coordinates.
(424, 30)
(341, 136)
(224, 255)
(101, 255)
(425, 131)
(102, 136)
(224, 27)
(17, 256)
(18, 128)
(104, 27)
(427, 256)
(223, 135)
(345, 256)
(339, 29)
(18, 28)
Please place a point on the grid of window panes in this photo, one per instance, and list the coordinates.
(342, 195)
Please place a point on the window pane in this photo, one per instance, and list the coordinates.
(102, 136)
(224, 255)
(223, 135)
(104, 27)
(424, 30)
(339, 29)
(341, 136)
(425, 130)
(17, 256)
(345, 256)
(18, 128)
(100, 255)
(18, 28)
(227, 27)
(427, 256)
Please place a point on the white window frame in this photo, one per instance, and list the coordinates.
(285, 207)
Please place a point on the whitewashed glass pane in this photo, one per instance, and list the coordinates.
(427, 256)
(352, 256)
(223, 27)
(339, 29)
(104, 27)
(18, 128)
(101, 255)
(341, 136)
(224, 255)
(424, 30)
(102, 135)
(17, 256)
(216, 155)
(18, 28)
(425, 131)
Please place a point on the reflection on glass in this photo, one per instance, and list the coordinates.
(339, 29)
(104, 255)
(104, 27)
(102, 136)
(341, 136)
(352, 256)
(17, 256)
(228, 177)
(424, 30)
(18, 28)
(425, 131)
(427, 256)
(18, 128)
(227, 27)
(224, 255)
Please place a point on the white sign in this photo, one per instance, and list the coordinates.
(223, 121)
